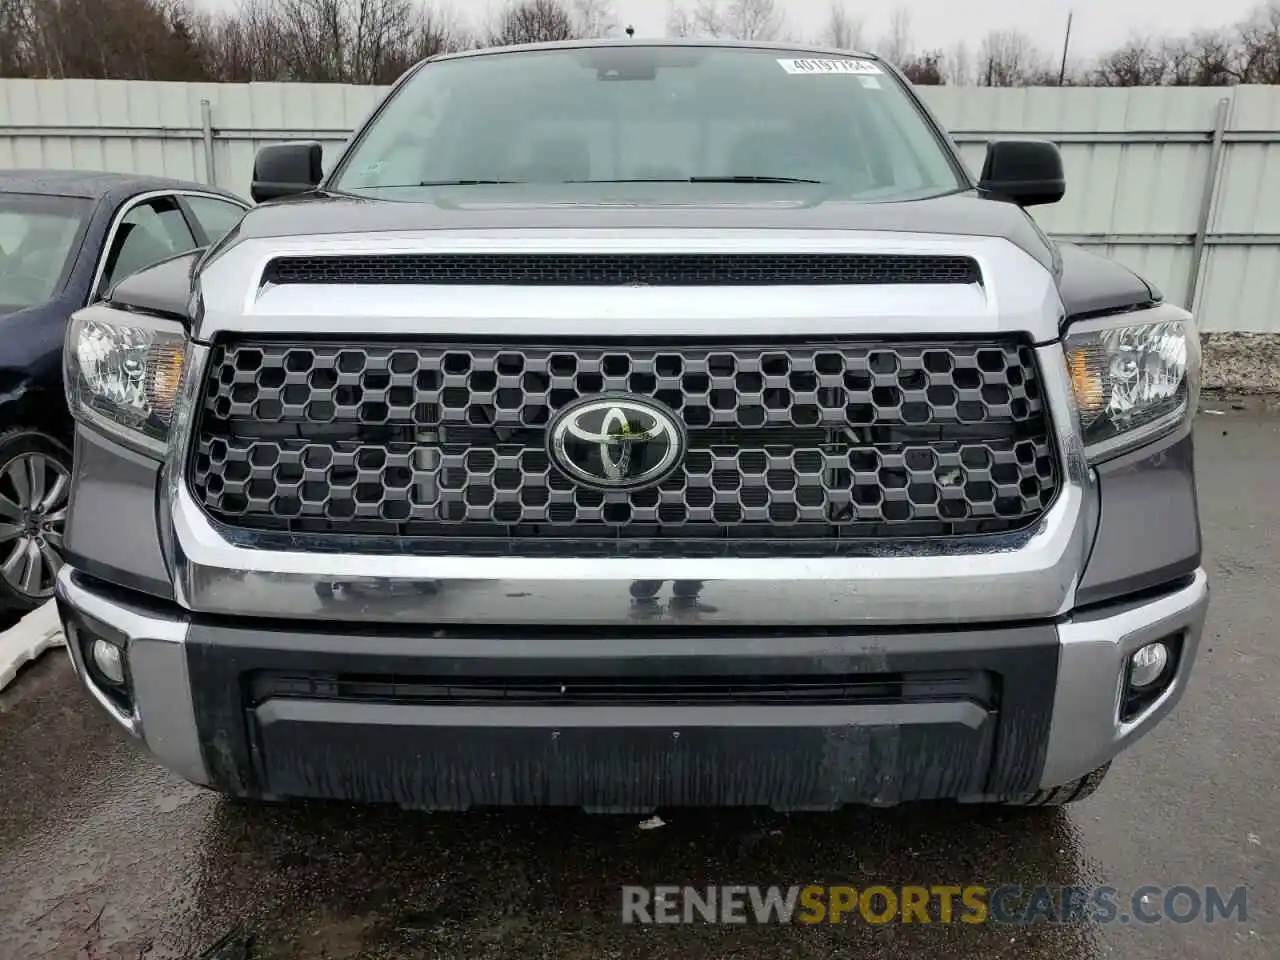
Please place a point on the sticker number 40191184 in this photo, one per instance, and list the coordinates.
(844, 65)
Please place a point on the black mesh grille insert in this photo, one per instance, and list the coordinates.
(924, 687)
(444, 446)
(602, 270)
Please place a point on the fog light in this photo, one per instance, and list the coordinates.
(109, 659)
(1147, 665)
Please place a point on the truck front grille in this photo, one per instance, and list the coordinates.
(791, 446)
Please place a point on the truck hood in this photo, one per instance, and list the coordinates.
(646, 206)
(1027, 285)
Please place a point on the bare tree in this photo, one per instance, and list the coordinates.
(144, 39)
(679, 20)
(925, 70)
(1206, 59)
(1179, 59)
(959, 65)
(755, 19)
(843, 30)
(1248, 52)
(1008, 58)
(1258, 46)
(373, 41)
(896, 45)
(346, 41)
(532, 21)
(248, 45)
(708, 19)
(742, 19)
(594, 18)
(1141, 62)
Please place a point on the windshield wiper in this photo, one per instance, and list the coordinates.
(746, 179)
(737, 179)
(734, 179)
(465, 183)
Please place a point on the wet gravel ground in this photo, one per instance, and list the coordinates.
(105, 855)
(1246, 363)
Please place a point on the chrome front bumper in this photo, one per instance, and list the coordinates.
(1085, 730)
(162, 715)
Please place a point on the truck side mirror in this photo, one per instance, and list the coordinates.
(285, 169)
(1026, 172)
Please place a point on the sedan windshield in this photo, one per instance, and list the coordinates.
(38, 240)
(674, 113)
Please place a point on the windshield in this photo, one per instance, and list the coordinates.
(37, 242)
(651, 113)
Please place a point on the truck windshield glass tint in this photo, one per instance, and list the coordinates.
(740, 117)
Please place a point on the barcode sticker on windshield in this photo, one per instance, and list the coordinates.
(848, 65)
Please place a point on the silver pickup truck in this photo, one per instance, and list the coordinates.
(627, 425)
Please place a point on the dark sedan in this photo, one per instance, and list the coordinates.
(66, 237)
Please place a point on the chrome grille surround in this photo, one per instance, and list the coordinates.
(794, 446)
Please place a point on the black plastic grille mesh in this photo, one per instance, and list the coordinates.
(815, 443)
(551, 269)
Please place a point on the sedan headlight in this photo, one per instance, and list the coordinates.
(122, 374)
(1132, 381)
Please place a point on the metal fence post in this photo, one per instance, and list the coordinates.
(1207, 201)
(206, 133)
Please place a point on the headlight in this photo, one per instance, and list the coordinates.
(123, 373)
(1133, 381)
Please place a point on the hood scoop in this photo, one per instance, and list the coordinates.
(624, 269)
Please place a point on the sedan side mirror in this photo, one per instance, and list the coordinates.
(1026, 172)
(285, 169)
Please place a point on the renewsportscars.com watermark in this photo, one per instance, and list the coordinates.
(881, 904)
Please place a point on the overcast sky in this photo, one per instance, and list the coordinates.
(1098, 24)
